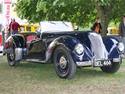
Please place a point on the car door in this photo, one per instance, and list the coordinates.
(36, 49)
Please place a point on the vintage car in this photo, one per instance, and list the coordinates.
(66, 49)
(113, 31)
(28, 27)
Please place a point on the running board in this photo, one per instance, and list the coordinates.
(36, 60)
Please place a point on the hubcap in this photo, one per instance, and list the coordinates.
(63, 62)
(11, 56)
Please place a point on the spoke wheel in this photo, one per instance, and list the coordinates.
(64, 64)
(11, 57)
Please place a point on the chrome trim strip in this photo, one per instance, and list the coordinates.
(35, 60)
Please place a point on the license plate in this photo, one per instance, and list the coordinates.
(102, 63)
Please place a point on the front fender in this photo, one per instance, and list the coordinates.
(111, 44)
(69, 42)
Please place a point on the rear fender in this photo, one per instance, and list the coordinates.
(17, 40)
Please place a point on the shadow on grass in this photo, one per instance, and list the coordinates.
(90, 72)
(48, 70)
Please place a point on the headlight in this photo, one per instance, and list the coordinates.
(121, 46)
(79, 48)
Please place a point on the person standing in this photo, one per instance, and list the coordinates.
(14, 27)
(96, 27)
(122, 27)
(122, 30)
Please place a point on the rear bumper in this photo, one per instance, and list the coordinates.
(94, 62)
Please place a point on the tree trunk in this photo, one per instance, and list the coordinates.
(103, 13)
(104, 23)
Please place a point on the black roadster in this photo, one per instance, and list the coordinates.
(66, 49)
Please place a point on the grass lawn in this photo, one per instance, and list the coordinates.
(31, 78)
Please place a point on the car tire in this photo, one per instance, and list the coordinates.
(112, 68)
(65, 67)
(11, 57)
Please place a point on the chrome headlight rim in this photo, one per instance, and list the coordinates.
(121, 47)
(79, 49)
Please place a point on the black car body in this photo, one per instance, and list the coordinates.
(66, 50)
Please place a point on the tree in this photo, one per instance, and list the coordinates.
(81, 12)
(70, 10)
(109, 10)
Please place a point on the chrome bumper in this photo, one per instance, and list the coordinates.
(85, 63)
(92, 63)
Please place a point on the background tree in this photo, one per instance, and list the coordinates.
(109, 10)
(81, 12)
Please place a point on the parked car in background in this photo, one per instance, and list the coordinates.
(55, 42)
(29, 27)
(113, 31)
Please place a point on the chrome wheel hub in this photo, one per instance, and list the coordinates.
(11, 56)
(63, 62)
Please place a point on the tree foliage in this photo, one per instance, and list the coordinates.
(81, 12)
(78, 11)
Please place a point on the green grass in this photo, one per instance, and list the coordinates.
(31, 78)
